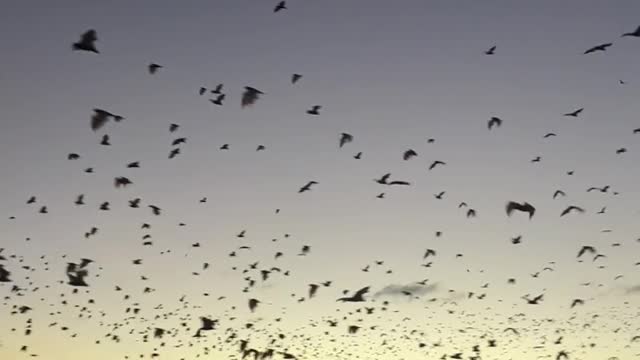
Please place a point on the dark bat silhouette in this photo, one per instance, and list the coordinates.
(398, 182)
(122, 182)
(250, 96)
(295, 78)
(558, 193)
(524, 207)
(491, 51)
(218, 89)
(601, 47)
(105, 140)
(253, 304)
(135, 203)
(603, 189)
(436, 163)
(635, 33)
(535, 301)
(307, 186)
(313, 288)
(574, 113)
(494, 122)
(282, 5)
(87, 42)
(4, 274)
(218, 100)
(409, 154)
(101, 117)
(155, 210)
(570, 209)
(345, 138)
(179, 141)
(429, 252)
(153, 68)
(315, 110)
(577, 302)
(174, 153)
(357, 297)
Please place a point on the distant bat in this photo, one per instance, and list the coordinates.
(635, 33)
(100, 117)
(570, 209)
(282, 5)
(491, 51)
(523, 207)
(87, 42)
(357, 297)
(601, 47)
(153, 68)
(574, 113)
(345, 138)
(494, 122)
(250, 96)
(409, 154)
(315, 110)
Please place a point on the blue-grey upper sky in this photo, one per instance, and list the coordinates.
(393, 74)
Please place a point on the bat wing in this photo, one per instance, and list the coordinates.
(361, 292)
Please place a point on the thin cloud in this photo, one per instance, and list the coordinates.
(401, 290)
(634, 290)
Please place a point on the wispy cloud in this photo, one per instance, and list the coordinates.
(634, 290)
(402, 290)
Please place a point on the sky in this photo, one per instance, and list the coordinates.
(393, 74)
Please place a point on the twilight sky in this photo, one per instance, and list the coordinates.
(391, 73)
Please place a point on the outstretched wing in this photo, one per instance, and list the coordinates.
(511, 206)
(399, 183)
(361, 292)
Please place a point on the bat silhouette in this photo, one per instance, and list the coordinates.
(357, 297)
(574, 113)
(558, 193)
(409, 154)
(491, 51)
(153, 68)
(601, 47)
(250, 96)
(87, 42)
(494, 122)
(307, 186)
(218, 100)
(436, 163)
(570, 209)
(523, 207)
(315, 110)
(282, 5)
(101, 117)
(635, 33)
(345, 138)
(122, 182)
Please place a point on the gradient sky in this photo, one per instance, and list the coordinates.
(392, 74)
